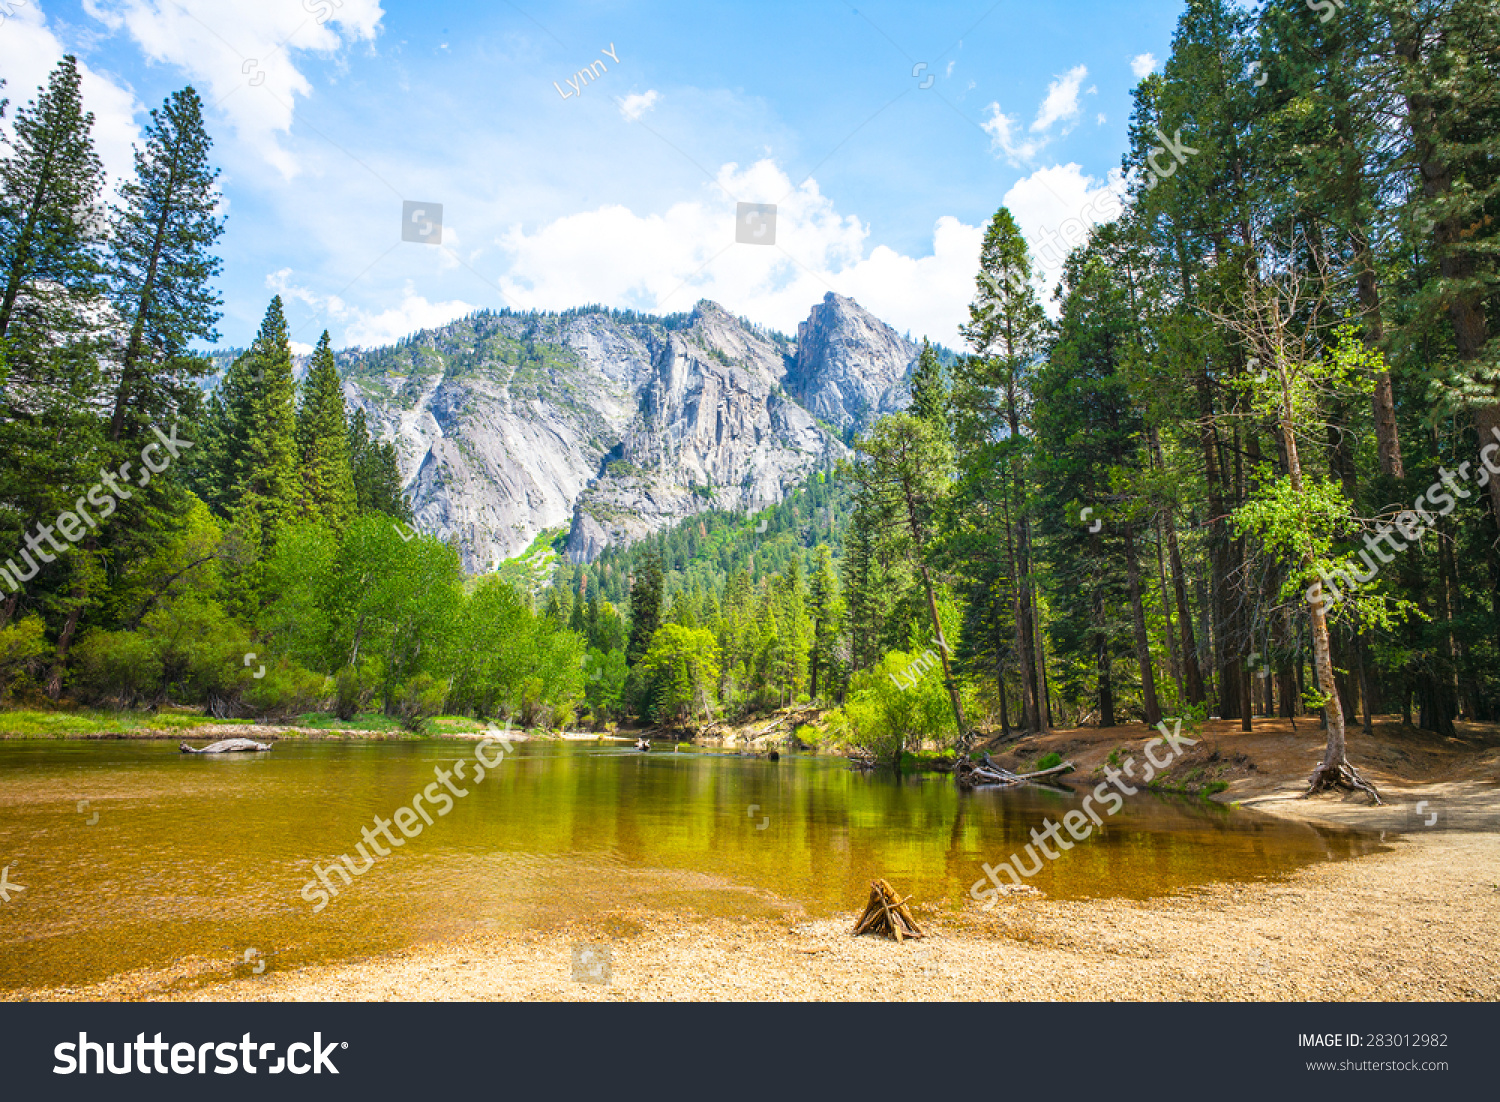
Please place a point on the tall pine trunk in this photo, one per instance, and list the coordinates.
(1142, 640)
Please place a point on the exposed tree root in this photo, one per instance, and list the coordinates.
(1339, 775)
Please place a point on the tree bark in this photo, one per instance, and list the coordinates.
(1218, 542)
(1174, 663)
(1030, 717)
(1040, 636)
(1142, 640)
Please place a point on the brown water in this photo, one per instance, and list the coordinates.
(196, 857)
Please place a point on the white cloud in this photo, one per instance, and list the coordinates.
(29, 51)
(1101, 120)
(665, 262)
(1055, 207)
(240, 53)
(300, 349)
(363, 328)
(1002, 131)
(948, 72)
(1061, 104)
(1142, 65)
(635, 105)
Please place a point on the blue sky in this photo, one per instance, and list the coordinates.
(327, 115)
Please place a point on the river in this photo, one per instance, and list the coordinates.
(175, 858)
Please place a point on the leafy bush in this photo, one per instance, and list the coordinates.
(118, 666)
(23, 655)
(1048, 761)
(418, 700)
(354, 688)
(286, 689)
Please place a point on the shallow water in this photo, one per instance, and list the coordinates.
(196, 857)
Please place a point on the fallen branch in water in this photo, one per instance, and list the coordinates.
(974, 775)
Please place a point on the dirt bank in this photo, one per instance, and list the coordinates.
(1266, 768)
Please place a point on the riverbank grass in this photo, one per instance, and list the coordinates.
(25, 723)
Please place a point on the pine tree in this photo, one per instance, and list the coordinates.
(827, 615)
(645, 606)
(208, 468)
(49, 264)
(1089, 444)
(990, 400)
(377, 474)
(1450, 82)
(262, 447)
(327, 479)
(49, 221)
(160, 268)
(903, 476)
(929, 391)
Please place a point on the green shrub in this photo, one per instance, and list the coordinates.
(23, 655)
(807, 735)
(120, 666)
(900, 703)
(1048, 761)
(418, 700)
(354, 688)
(286, 689)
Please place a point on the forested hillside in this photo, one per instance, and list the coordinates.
(1247, 468)
(250, 553)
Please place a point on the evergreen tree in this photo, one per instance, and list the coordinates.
(262, 451)
(49, 221)
(49, 264)
(160, 268)
(929, 391)
(376, 472)
(645, 606)
(327, 479)
(825, 609)
(990, 402)
(1089, 440)
(1449, 80)
(903, 478)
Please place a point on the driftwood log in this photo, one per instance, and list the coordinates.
(887, 914)
(227, 746)
(985, 774)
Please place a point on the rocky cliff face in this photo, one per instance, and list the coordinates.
(851, 368)
(617, 424)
